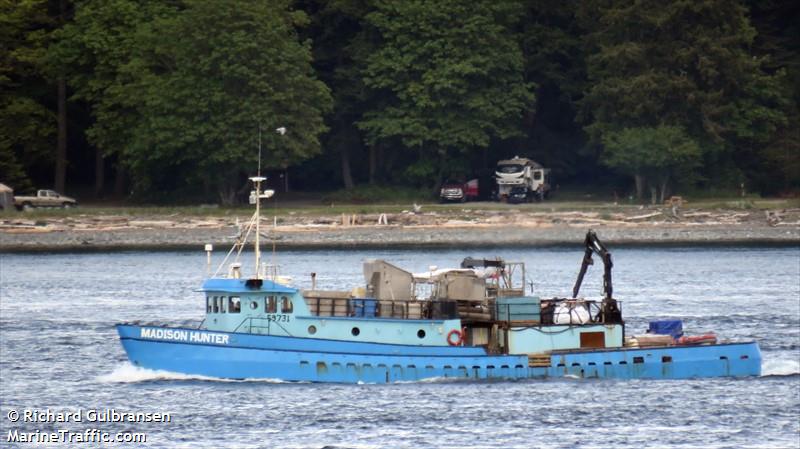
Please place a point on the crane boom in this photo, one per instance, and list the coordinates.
(593, 245)
(609, 312)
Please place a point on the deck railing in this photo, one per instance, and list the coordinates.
(548, 312)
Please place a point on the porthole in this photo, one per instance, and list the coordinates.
(312, 330)
(421, 333)
(253, 305)
(355, 331)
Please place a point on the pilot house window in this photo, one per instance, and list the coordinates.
(272, 304)
(217, 302)
(234, 304)
(286, 304)
(209, 304)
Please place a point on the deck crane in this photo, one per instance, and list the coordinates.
(609, 311)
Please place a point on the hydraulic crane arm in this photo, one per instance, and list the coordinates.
(609, 311)
(593, 245)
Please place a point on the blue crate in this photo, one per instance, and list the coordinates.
(518, 309)
(364, 307)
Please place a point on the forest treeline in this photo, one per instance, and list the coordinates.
(166, 100)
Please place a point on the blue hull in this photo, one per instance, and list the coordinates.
(247, 356)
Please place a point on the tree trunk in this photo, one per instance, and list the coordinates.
(372, 163)
(227, 188)
(653, 194)
(664, 186)
(639, 187)
(99, 173)
(347, 176)
(386, 160)
(61, 146)
(440, 172)
(227, 195)
(120, 181)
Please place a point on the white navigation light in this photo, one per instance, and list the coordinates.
(281, 130)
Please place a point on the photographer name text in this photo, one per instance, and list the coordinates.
(109, 415)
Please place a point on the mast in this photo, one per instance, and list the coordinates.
(257, 180)
(257, 196)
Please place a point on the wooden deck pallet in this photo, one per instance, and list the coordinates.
(539, 360)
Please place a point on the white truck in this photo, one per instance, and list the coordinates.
(521, 180)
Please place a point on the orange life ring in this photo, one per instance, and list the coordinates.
(459, 337)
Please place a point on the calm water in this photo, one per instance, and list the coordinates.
(59, 350)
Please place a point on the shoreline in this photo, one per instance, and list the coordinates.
(452, 227)
(396, 237)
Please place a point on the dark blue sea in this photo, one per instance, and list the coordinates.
(59, 352)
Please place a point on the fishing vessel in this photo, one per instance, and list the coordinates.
(474, 321)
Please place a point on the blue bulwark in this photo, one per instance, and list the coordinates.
(243, 286)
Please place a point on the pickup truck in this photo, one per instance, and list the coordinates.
(459, 191)
(44, 198)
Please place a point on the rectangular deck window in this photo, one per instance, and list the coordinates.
(234, 304)
(271, 304)
(286, 305)
(209, 304)
(221, 304)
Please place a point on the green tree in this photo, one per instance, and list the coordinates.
(776, 165)
(27, 125)
(337, 37)
(447, 77)
(554, 62)
(188, 89)
(96, 51)
(685, 64)
(656, 153)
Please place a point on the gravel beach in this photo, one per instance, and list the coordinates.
(433, 229)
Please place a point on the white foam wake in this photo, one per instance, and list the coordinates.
(780, 367)
(128, 373)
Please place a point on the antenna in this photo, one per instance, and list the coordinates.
(259, 150)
